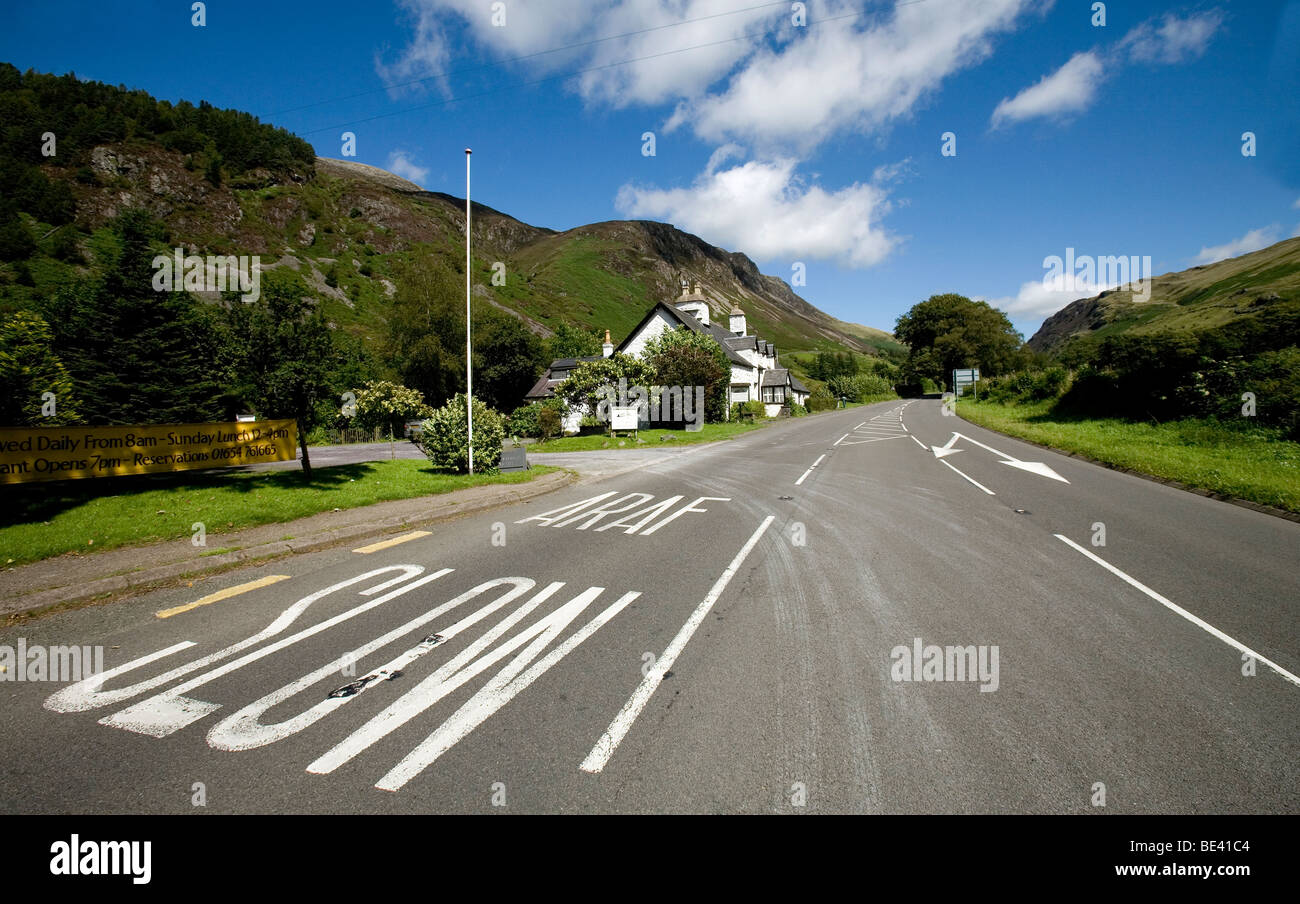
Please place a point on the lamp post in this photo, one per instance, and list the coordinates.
(469, 348)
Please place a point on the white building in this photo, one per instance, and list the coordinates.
(755, 371)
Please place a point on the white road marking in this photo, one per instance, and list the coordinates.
(86, 695)
(877, 439)
(166, 713)
(618, 729)
(810, 470)
(842, 439)
(1200, 623)
(1033, 467)
(918, 442)
(470, 662)
(244, 730)
(971, 479)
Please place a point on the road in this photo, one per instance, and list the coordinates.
(726, 631)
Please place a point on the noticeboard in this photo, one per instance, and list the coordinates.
(68, 453)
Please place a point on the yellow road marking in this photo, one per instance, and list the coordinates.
(384, 544)
(224, 594)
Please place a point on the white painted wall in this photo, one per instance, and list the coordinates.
(659, 323)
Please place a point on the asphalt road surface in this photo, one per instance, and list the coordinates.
(733, 630)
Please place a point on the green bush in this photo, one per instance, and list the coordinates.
(550, 422)
(797, 410)
(446, 436)
(524, 420)
(743, 410)
(820, 399)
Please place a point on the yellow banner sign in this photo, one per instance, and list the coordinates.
(65, 453)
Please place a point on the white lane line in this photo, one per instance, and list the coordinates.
(618, 729)
(971, 479)
(841, 439)
(1200, 623)
(810, 470)
(918, 442)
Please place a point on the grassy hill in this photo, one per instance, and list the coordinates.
(1214, 295)
(223, 183)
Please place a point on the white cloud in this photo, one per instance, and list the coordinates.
(765, 210)
(1296, 205)
(400, 163)
(848, 75)
(1251, 241)
(1070, 89)
(736, 73)
(1073, 87)
(680, 47)
(1174, 40)
(1042, 297)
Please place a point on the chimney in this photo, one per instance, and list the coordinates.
(608, 347)
(737, 321)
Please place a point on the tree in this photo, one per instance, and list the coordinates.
(384, 404)
(581, 391)
(571, 342)
(287, 354)
(689, 359)
(29, 368)
(946, 332)
(426, 329)
(507, 359)
(137, 355)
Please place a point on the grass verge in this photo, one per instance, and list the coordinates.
(1251, 463)
(49, 519)
(650, 439)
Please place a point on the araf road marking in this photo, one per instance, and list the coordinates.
(87, 695)
(1200, 623)
(224, 594)
(634, 522)
(385, 544)
(244, 729)
(971, 479)
(170, 711)
(618, 729)
(499, 691)
(809, 471)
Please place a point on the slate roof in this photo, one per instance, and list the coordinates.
(544, 388)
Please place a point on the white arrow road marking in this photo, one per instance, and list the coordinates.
(946, 448)
(1033, 467)
(1200, 623)
(622, 724)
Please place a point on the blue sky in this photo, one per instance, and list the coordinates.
(818, 144)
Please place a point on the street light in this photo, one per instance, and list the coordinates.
(469, 348)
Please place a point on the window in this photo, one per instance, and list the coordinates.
(774, 395)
